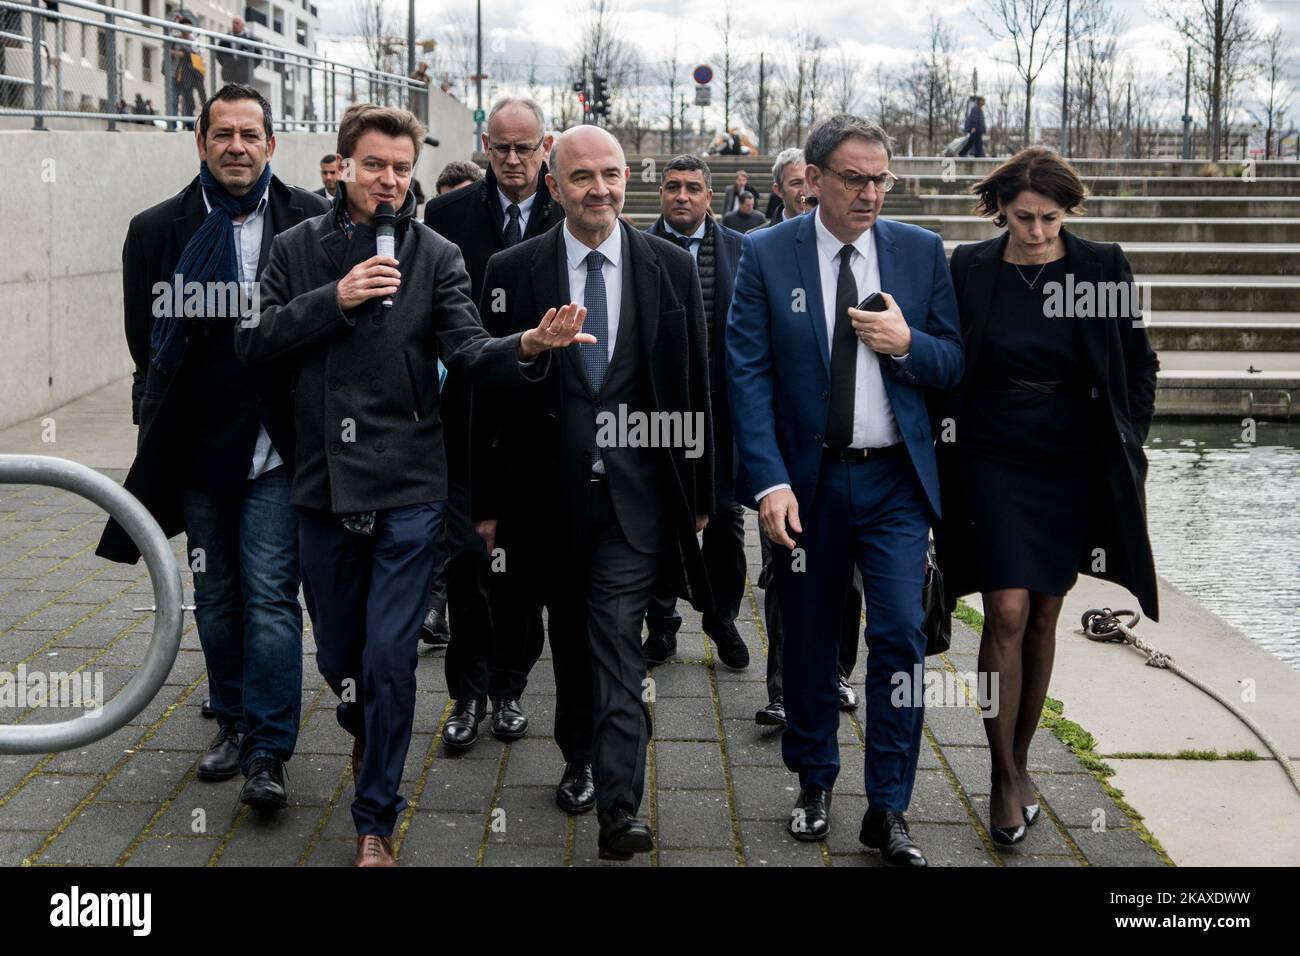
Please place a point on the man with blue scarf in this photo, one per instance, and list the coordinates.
(215, 450)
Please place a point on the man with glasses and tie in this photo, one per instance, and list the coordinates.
(685, 195)
(591, 515)
(828, 409)
(490, 654)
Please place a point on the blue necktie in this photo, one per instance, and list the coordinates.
(513, 233)
(595, 358)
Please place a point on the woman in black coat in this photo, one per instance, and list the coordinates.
(1040, 447)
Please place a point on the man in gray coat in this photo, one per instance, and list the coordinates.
(361, 341)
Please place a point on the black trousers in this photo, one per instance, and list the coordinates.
(850, 625)
(365, 594)
(493, 648)
(595, 628)
(724, 560)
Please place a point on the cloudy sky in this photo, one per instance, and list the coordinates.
(885, 33)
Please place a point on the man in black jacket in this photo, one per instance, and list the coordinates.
(594, 482)
(487, 659)
(685, 194)
(215, 451)
(363, 341)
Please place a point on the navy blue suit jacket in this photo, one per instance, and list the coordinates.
(779, 360)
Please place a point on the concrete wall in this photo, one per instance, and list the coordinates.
(66, 198)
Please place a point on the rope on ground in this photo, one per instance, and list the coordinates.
(1103, 624)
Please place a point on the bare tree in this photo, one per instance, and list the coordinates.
(671, 77)
(846, 82)
(1095, 27)
(1274, 68)
(732, 71)
(933, 85)
(1034, 29)
(1007, 95)
(798, 79)
(376, 23)
(1222, 33)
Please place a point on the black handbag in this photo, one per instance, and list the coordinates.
(937, 623)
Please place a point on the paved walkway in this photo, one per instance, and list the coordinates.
(717, 791)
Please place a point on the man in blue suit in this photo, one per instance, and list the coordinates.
(685, 193)
(828, 411)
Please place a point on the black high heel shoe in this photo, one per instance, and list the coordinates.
(1008, 836)
(1032, 813)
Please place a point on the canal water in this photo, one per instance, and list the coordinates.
(1224, 519)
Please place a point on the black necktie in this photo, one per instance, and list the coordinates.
(844, 357)
(685, 241)
(513, 233)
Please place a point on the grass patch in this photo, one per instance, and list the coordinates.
(1189, 755)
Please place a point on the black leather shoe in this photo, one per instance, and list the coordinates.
(264, 788)
(577, 790)
(731, 646)
(221, 762)
(811, 818)
(461, 729)
(773, 715)
(434, 630)
(206, 710)
(886, 831)
(1032, 813)
(622, 834)
(658, 648)
(848, 699)
(508, 721)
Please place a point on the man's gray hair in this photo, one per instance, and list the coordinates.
(688, 163)
(783, 159)
(827, 135)
(523, 101)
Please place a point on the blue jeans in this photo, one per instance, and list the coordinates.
(246, 606)
(367, 595)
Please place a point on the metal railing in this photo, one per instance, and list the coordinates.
(102, 63)
(163, 572)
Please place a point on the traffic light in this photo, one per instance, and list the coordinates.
(600, 95)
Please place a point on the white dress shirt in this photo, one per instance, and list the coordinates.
(525, 207)
(873, 416)
(697, 235)
(248, 249)
(612, 250)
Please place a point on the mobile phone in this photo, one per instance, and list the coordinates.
(873, 303)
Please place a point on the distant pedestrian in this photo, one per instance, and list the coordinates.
(746, 217)
(458, 173)
(975, 129)
(731, 198)
(237, 58)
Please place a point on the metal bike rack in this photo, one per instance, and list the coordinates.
(163, 572)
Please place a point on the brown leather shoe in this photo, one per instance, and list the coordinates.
(358, 748)
(374, 850)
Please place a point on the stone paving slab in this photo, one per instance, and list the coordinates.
(718, 793)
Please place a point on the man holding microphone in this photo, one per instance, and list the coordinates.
(372, 475)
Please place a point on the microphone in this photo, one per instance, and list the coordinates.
(385, 220)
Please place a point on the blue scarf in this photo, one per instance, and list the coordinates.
(209, 256)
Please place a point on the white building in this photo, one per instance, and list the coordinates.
(75, 56)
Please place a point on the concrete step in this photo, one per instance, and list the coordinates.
(1262, 186)
(916, 165)
(1126, 207)
(1222, 390)
(1129, 229)
(1194, 293)
(1205, 258)
(1236, 337)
